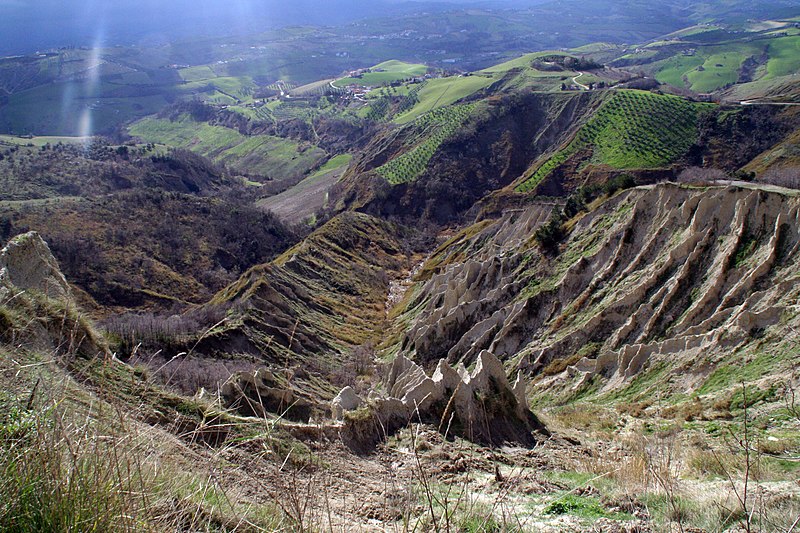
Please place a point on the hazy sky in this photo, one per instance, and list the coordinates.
(27, 25)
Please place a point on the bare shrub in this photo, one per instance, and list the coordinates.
(358, 365)
(700, 175)
(132, 329)
(788, 177)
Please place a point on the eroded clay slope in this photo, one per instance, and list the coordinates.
(661, 271)
(307, 309)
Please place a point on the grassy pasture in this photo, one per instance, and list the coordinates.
(237, 90)
(718, 70)
(520, 62)
(334, 163)
(442, 92)
(199, 73)
(784, 57)
(38, 142)
(713, 67)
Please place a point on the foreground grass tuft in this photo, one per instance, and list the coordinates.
(58, 476)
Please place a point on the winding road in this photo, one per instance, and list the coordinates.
(579, 84)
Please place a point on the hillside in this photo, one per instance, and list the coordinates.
(438, 172)
(653, 277)
(135, 226)
(695, 291)
(262, 157)
(461, 269)
(630, 130)
(310, 309)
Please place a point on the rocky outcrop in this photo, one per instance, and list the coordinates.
(36, 304)
(26, 263)
(482, 406)
(467, 303)
(346, 400)
(664, 272)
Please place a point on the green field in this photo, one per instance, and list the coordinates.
(717, 71)
(784, 57)
(645, 54)
(315, 88)
(223, 90)
(523, 62)
(442, 92)
(713, 67)
(788, 31)
(390, 71)
(263, 155)
(435, 127)
(197, 73)
(632, 129)
(694, 30)
(594, 48)
(334, 163)
(675, 68)
(530, 78)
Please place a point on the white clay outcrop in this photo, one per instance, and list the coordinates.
(655, 272)
(481, 405)
(346, 400)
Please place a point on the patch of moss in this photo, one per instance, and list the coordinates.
(732, 372)
(582, 506)
(642, 385)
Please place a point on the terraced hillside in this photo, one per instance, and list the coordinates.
(632, 129)
(418, 170)
(435, 128)
(263, 155)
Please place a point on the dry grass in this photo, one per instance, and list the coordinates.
(73, 463)
(61, 476)
(585, 417)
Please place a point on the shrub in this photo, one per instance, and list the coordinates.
(551, 233)
(619, 183)
(577, 505)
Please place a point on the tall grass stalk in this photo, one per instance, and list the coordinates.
(56, 475)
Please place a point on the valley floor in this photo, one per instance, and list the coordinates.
(620, 479)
